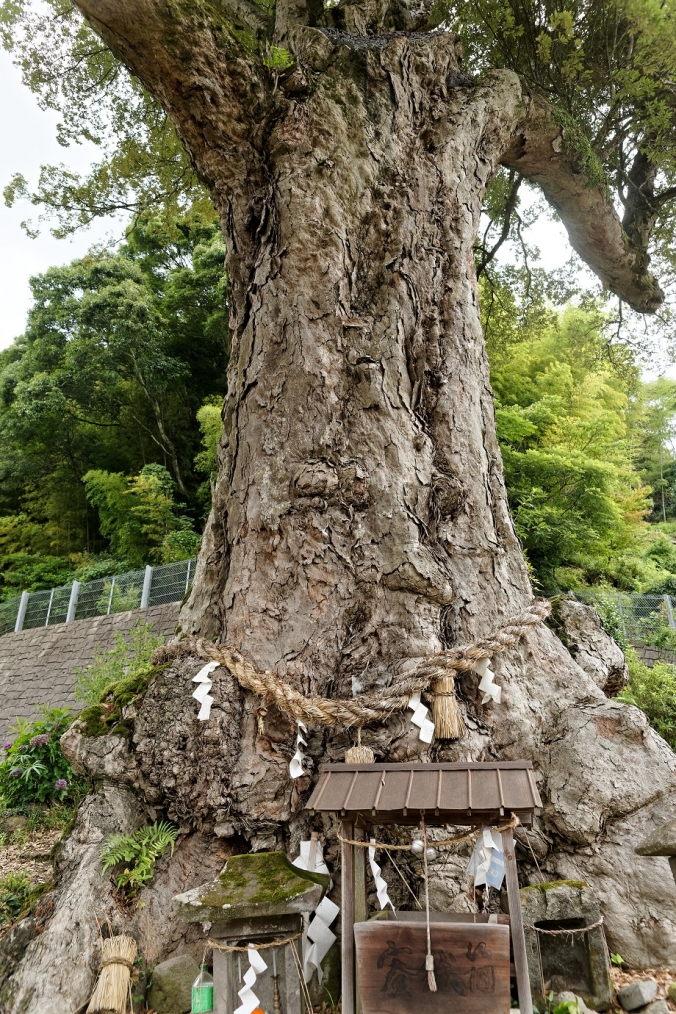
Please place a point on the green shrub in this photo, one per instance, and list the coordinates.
(17, 896)
(139, 851)
(653, 690)
(127, 659)
(33, 768)
(611, 619)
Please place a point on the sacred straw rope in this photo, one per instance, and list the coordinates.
(368, 707)
(470, 836)
(565, 932)
(253, 947)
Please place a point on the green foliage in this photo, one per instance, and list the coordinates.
(143, 165)
(120, 352)
(653, 690)
(567, 1007)
(139, 852)
(580, 146)
(617, 960)
(611, 618)
(605, 63)
(277, 58)
(33, 768)
(128, 659)
(211, 427)
(139, 517)
(561, 413)
(17, 896)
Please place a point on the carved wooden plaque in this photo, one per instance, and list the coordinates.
(471, 967)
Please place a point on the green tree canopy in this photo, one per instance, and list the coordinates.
(120, 351)
(573, 432)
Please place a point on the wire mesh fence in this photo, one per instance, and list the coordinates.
(642, 620)
(115, 594)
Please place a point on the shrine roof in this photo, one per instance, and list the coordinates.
(462, 793)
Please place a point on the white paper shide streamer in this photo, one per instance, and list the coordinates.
(491, 690)
(487, 862)
(202, 693)
(421, 719)
(296, 764)
(249, 1000)
(381, 886)
(318, 938)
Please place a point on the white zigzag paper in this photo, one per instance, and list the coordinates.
(249, 1000)
(296, 763)
(202, 692)
(381, 886)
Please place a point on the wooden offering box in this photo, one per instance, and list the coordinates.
(471, 964)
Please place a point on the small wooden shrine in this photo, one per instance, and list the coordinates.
(257, 900)
(466, 794)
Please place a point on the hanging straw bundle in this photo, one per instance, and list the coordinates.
(448, 721)
(112, 989)
(359, 754)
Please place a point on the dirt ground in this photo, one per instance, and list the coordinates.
(30, 854)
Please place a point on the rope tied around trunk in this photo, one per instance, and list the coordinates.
(366, 708)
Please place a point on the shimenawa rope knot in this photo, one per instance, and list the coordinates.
(367, 708)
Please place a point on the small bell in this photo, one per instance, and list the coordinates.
(431, 854)
(417, 847)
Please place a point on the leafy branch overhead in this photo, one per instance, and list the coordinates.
(605, 66)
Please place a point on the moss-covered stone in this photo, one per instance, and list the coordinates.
(551, 885)
(256, 884)
(105, 718)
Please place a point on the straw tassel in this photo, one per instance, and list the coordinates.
(112, 989)
(448, 721)
(359, 754)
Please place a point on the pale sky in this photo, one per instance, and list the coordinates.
(29, 141)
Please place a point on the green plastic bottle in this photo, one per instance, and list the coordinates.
(203, 992)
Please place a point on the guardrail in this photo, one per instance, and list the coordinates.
(137, 589)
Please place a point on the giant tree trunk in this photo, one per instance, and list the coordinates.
(360, 519)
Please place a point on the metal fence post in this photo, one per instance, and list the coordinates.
(49, 607)
(72, 602)
(670, 612)
(21, 615)
(147, 581)
(621, 614)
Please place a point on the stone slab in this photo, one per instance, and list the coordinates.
(170, 992)
(637, 994)
(660, 842)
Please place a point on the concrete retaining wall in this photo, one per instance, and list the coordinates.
(37, 665)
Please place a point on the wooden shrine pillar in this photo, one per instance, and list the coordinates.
(347, 919)
(516, 924)
(360, 901)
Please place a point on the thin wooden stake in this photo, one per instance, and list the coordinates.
(516, 924)
(347, 933)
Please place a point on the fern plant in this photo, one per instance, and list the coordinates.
(140, 851)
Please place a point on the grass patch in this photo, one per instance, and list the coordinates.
(128, 659)
(17, 897)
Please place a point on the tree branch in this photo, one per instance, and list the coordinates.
(510, 205)
(538, 152)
